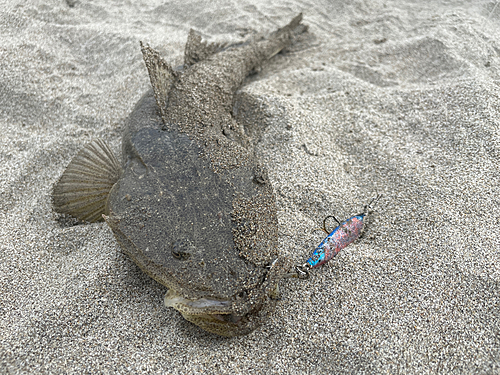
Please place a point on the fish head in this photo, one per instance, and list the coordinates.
(184, 226)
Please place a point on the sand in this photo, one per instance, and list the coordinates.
(392, 97)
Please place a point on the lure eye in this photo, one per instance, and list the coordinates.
(180, 249)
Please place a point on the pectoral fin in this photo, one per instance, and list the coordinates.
(84, 186)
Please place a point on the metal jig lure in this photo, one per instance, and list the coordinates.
(346, 233)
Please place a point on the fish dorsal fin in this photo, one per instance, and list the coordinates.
(161, 76)
(84, 186)
(198, 50)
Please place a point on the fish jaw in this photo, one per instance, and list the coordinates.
(218, 316)
(239, 315)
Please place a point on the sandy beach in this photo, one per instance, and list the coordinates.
(399, 98)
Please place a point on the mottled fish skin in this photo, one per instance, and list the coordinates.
(342, 236)
(194, 208)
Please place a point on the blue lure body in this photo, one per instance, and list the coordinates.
(346, 233)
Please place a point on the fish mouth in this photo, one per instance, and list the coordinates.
(213, 315)
(227, 317)
(198, 306)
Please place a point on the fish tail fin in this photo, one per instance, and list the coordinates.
(282, 37)
(83, 189)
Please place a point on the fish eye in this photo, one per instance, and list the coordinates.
(259, 180)
(180, 249)
(180, 255)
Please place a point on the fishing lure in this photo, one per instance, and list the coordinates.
(346, 233)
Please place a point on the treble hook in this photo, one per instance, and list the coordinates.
(369, 205)
(324, 224)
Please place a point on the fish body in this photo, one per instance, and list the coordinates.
(189, 202)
